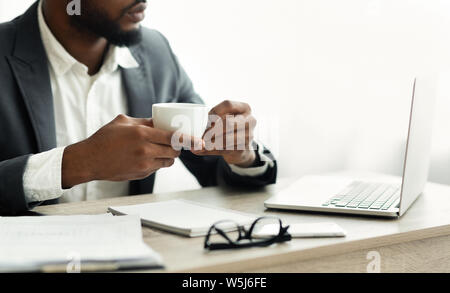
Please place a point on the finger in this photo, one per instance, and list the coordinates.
(158, 136)
(230, 107)
(230, 141)
(163, 151)
(229, 149)
(163, 163)
(176, 139)
(212, 153)
(230, 124)
(182, 141)
(167, 138)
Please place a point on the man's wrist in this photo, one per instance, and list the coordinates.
(75, 168)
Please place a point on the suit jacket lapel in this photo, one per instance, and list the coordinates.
(139, 87)
(30, 67)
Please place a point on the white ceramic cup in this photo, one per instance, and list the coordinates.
(189, 119)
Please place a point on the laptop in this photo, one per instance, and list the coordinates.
(392, 198)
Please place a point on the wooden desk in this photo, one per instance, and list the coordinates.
(418, 242)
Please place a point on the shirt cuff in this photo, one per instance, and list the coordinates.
(42, 176)
(254, 171)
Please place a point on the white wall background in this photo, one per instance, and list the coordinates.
(330, 80)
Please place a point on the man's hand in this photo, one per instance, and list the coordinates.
(125, 149)
(230, 134)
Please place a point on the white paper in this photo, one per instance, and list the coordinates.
(34, 241)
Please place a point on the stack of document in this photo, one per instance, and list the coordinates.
(73, 244)
(182, 217)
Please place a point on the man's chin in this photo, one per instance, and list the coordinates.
(126, 38)
(129, 26)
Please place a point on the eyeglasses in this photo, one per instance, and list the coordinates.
(222, 235)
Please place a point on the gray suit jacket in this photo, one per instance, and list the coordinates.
(27, 124)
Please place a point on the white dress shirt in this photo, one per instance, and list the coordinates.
(82, 105)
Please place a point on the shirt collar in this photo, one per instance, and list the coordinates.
(61, 61)
(119, 56)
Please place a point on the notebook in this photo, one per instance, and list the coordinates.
(182, 217)
(74, 244)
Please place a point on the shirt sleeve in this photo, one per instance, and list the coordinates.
(42, 176)
(255, 171)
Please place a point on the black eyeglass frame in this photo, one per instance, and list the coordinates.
(244, 234)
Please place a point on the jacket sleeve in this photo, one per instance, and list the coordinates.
(213, 171)
(12, 195)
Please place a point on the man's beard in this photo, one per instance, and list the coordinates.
(98, 23)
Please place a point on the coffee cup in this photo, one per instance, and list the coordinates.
(188, 119)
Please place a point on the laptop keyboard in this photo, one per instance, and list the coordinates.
(366, 195)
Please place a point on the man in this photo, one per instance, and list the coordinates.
(66, 83)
